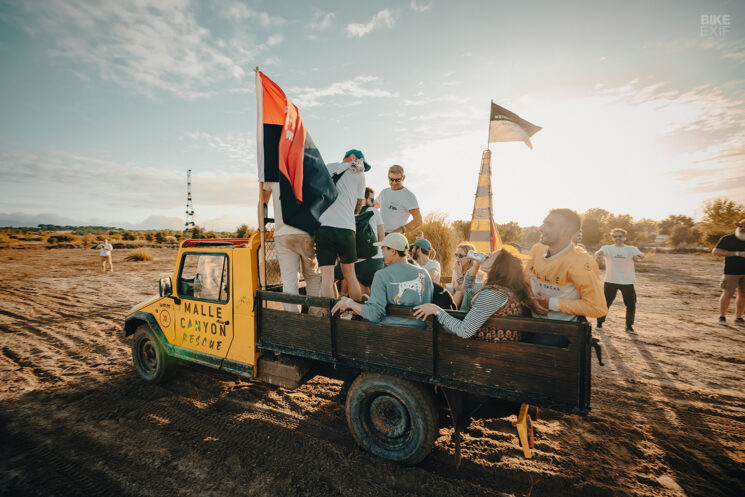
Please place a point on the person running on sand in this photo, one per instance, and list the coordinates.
(105, 253)
(732, 248)
(619, 275)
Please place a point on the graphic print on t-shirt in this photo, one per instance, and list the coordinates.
(416, 285)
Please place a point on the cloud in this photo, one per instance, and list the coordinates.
(419, 7)
(384, 18)
(321, 20)
(310, 97)
(72, 184)
(239, 148)
(240, 12)
(150, 46)
(434, 100)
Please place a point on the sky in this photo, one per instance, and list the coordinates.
(104, 105)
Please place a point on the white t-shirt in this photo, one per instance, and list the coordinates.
(280, 228)
(351, 187)
(376, 220)
(619, 264)
(106, 249)
(395, 206)
(433, 264)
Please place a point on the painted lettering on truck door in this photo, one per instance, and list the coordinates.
(204, 318)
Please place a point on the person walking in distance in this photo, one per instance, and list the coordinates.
(732, 248)
(105, 254)
(619, 275)
(397, 203)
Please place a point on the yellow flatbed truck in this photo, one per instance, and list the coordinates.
(407, 382)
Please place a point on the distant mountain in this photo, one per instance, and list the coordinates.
(21, 220)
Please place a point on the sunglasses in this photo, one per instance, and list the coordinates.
(395, 180)
(619, 236)
(459, 256)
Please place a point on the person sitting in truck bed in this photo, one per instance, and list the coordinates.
(399, 283)
(504, 293)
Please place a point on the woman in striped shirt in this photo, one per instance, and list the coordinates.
(504, 293)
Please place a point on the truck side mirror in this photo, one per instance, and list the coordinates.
(165, 287)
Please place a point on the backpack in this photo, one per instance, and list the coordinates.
(366, 236)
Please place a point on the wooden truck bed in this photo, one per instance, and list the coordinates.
(550, 376)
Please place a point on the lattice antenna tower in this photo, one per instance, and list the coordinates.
(189, 224)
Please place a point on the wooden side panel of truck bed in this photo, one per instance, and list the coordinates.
(555, 376)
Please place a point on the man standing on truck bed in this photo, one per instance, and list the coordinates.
(336, 237)
(564, 279)
(399, 283)
(397, 203)
(296, 250)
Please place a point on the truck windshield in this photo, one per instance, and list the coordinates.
(204, 277)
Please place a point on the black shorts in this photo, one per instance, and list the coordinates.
(365, 270)
(335, 242)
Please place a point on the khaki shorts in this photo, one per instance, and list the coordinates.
(731, 282)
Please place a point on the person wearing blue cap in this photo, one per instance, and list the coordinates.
(336, 237)
(420, 252)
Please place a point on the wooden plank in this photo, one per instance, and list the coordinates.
(515, 366)
(293, 329)
(546, 326)
(393, 346)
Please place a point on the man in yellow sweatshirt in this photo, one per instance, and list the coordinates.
(564, 279)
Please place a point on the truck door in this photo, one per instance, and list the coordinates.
(204, 318)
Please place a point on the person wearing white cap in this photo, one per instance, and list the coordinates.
(399, 283)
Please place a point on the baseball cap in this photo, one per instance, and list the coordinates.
(423, 243)
(359, 155)
(396, 241)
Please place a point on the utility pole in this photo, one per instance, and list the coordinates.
(189, 224)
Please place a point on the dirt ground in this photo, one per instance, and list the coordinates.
(667, 419)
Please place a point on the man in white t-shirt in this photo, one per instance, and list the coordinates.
(619, 275)
(105, 254)
(296, 251)
(336, 237)
(420, 251)
(397, 203)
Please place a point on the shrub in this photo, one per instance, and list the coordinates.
(141, 254)
(684, 236)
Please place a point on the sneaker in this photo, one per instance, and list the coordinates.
(631, 330)
(722, 321)
(599, 326)
(740, 321)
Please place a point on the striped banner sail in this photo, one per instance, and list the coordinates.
(484, 235)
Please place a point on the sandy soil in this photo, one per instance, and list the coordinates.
(668, 414)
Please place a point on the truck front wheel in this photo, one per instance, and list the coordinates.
(391, 417)
(149, 357)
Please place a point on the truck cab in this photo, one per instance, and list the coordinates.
(212, 312)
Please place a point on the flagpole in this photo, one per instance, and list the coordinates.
(260, 156)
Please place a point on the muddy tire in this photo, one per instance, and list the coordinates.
(391, 417)
(149, 357)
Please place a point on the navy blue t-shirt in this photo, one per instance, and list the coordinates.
(732, 263)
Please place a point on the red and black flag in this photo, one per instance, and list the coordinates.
(506, 126)
(287, 155)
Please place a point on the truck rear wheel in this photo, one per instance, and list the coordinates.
(149, 357)
(391, 417)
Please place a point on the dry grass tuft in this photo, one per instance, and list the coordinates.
(141, 254)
